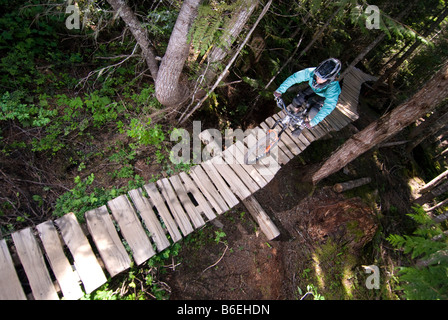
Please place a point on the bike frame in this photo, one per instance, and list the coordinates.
(290, 119)
(273, 135)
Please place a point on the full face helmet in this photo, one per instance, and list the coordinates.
(328, 70)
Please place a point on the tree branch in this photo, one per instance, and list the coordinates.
(184, 117)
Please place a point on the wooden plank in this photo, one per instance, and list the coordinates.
(318, 130)
(229, 158)
(152, 223)
(193, 189)
(311, 134)
(33, 262)
(67, 278)
(131, 229)
(159, 203)
(267, 166)
(208, 189)
(86, 264)
(288, 133)
(190, 208)
(251, 170)
(307, 134)
(175, 206)
(107, 241)
(292, 146)
(341, 118)
(236, 185)
(325, 125)
(332, 122)
(222, 187)
(10, 287)
(269, 229)
(284, 154)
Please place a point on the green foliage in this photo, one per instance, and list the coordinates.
(127, 287)
(26, 115)
(208, 26)
(161, 22)
(79, 200)
(145, 134)
(423, 282)
(311, 290)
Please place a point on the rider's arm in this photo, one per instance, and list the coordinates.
(298, 77)
(331, 99)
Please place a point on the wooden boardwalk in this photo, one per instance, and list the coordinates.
(63, 259)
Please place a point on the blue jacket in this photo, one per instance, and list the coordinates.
(330, 92)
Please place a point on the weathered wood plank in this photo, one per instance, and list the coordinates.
(236, 185)
(203, 205)
(229, 158)
(342, 118)
(107, 241)
(208, 189)
(131, 229)
(190, 208)
(67, 278)
(334, 124)
(288, 132)
(159, 204)
(292, 146)
(284, 154)
(220, 184)
(10, 287)
(269, 229)
(251, 170)
(86, 264)
(175, 206)
(33, 262)
(148, 215)
(267, 166)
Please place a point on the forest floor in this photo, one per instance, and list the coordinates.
(325, 238)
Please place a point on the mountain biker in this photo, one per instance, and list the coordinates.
(322, 94)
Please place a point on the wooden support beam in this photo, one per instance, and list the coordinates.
(266, 225)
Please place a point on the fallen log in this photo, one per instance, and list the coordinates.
(344, 186)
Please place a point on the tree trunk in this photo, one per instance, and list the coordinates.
(434, 258)
(432, 94)
(437, 191)
(138, 32)
(231, 31)
(344, 186)
(391, 71)
(435, 122)
(186, 115)
(441, 217)
(434, 182)
(171, 89)
(380, 38)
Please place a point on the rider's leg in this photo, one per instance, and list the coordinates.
(315, 108)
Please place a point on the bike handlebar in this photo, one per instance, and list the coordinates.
(281, 105)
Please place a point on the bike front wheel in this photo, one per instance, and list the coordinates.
(262, 148)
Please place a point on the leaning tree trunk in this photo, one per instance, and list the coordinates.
(433, 124)
(171, 88)
(138, 32)
(231, 32)
(432, 94)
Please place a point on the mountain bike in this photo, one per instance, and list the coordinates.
(265, 144)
